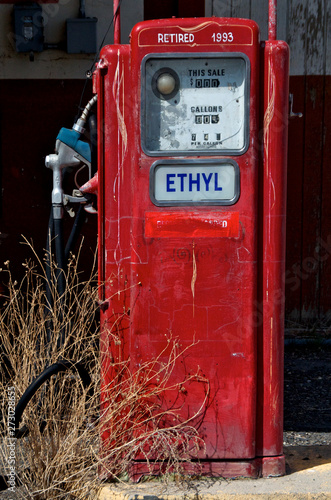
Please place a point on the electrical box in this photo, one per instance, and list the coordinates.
(29, 31)
(192, 174)
(82, 35)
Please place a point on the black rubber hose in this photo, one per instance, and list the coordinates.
(37, 383)
(93, 129)
(48, 271)
(80, 216)
(75, 232)
(50, 233)
(59, 255)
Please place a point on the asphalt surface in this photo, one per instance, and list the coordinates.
(307, 389)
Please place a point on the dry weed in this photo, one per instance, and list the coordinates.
(72, 442)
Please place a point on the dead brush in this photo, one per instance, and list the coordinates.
(60, 456)
(137, 423)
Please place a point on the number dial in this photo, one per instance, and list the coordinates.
(209, 112)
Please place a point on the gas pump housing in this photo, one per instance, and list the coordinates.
(191, 201)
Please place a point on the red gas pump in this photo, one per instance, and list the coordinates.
(191, 191)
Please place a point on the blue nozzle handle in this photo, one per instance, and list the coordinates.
(71, 138)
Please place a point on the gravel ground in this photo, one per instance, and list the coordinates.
(293, 438)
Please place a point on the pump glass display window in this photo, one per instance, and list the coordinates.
(195, 104)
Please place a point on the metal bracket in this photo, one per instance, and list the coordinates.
(292, 114)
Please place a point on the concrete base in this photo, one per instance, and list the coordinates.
(308, 478)
(257, 467)
(273, 466)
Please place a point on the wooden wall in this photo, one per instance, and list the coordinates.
(308, 279)
(308, 291)
(306, 26)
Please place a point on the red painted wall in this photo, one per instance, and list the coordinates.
(308, 275)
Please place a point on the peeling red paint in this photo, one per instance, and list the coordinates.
(272, 24)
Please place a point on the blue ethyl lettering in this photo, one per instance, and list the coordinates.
(192, 181)
(170, 183)
(182, 176)
(207, 180)
(217, 187)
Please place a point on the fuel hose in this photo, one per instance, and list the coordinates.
(51, 370)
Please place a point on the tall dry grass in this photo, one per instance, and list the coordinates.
(63, 455)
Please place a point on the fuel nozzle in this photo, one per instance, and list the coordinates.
(70, 151)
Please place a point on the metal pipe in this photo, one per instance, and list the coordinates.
(117, 22)
(79, 126)
(272, 23)
(82, 9)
